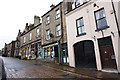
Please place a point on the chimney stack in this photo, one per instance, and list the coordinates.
(36, 20)
(52, 6)
(26, 24)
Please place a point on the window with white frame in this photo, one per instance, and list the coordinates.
(77, 3)
(37, 32)
(57, 13)
(48, 34)
(84, 1)
(80, 26)
(24, 39)
(47, 19)
(58, 30)
(30, 37)
(100, 19)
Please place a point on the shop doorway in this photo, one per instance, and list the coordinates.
(56, 54)
(65, 55)
(84, 54)
(108, 59)
(36, 49)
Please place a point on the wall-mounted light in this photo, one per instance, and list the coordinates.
(95, 5)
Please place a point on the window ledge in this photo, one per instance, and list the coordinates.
(47, 24)
(58, 36)
(57, 18)
(102, 28)
(47, 39)
(81, 34)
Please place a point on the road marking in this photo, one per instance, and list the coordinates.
(71, 73)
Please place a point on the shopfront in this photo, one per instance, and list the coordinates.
(50, 52)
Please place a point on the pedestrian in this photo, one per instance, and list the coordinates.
(30, 56)
(26, 56)
(20, 55)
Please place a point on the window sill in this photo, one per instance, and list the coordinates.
(102, 28)
(57, 18)
(47, 24)
(81, 34)
(47, 39)
(58, 35)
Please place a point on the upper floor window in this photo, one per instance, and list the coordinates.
(37, 32)
(57, 13)
(24, 39)
(48, 34)
(77, 3)
(80, 26)
(100, 19)
(84, 1)
(30, 38)
(47, 19)
(58, 30)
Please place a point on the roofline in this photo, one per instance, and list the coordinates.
(30, 29)
(52, 9)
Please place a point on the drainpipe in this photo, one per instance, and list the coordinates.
(115, 17)
(59, 44)
(59, 52)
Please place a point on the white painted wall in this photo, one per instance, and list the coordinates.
(87, 12)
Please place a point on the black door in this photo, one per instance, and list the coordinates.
(84, 54)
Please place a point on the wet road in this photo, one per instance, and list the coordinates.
(16, 68)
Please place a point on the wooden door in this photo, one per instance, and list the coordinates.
(107, 56)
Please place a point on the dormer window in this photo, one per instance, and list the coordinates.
(77, 3)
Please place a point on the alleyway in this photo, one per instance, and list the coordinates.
(16, 68)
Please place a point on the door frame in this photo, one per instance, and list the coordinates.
(66, 56)
(110, 43)
(79, 56)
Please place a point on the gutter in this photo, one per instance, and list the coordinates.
(115, 17)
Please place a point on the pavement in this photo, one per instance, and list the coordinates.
(2, 70)
(78, 72)
(42, 69)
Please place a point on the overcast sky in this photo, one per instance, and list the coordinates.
(14, 14)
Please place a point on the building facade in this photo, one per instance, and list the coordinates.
(93, 35)
(54, 36)
(17, 45)
(30, 40)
